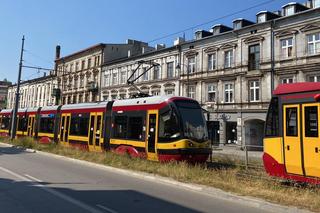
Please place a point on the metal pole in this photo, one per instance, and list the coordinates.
(15, 111)
(188, 81)
(272, 57)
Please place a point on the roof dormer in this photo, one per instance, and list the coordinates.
(264, 16)
(219, 28)
(292, 8)
(240, 23)
(199, 34)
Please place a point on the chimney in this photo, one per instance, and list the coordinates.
(58, 48)
(178, 41)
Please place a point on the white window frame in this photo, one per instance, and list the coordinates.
(315, 42)
(228, 93)
(169, 91)
(261, 18)
(158, 73)
(114, 78)
(107, 79)
(192, 64)
(287, 80)
(212, 61)
(191, 91)
(286, 47)
(315, 3)
(211, 89)
(254, 89)
(145, 76)
(123, 77)
(228, 58)
(290, 10)
(172, 71)
(315, 78)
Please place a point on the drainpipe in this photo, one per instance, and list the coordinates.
(272, 55)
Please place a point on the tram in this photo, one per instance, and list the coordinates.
(158, 128)
(292, 140)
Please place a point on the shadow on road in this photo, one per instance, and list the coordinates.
(12, 150)
(24, 196)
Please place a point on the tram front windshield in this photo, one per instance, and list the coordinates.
(194, 126)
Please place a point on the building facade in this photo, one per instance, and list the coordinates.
(79, 74)
(232, 71)
(161, 79)
(4, 93)
(34, 93)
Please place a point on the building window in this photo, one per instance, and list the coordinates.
(89, 63)
(237, 25)
(314, 43)
(123, 77)
(191, 91)
(211, 93)
(228, 93)
(212, 61)
(286, 48)
(145, 76)
(113, 97)
(170, 70)
(77, 66)
(289, 10)
(156, 72)
(169, 92)
(315, 3)
(75, 83)
(122, 96)
(83, 63)
(254, 91)
(155, 92)
(114, 78)
(107, 80)
(254, 57)
(71, 68)
(262, 18)
(228, 58)
(287, 80)
(192, 64)
(314, 78)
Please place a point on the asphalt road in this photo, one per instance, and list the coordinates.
(33, 182)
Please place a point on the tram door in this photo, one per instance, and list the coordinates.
(311, 139)
(31, 120)
(152, 135)
(64, 129)
(292, 144)
(95, 131)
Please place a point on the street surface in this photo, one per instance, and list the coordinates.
(32, 182)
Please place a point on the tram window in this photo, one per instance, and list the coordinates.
(22, 124)
(168, 126)
(272, 121)
(135, 128)
(5, 123)
(311, 121)
(120, 127)
(79, 124)
(46, 124)
(291, 122)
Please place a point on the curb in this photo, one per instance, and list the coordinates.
(211, 191)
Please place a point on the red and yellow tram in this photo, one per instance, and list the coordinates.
(156, 128)
(292, 139)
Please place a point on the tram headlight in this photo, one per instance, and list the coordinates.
(190, 144)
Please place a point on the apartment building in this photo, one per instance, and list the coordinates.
(4, 93)
(79, 74)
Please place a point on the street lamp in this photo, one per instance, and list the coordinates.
(178, 67)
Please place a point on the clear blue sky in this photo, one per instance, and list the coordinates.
(77, 24)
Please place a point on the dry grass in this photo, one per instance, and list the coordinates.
(224, 173)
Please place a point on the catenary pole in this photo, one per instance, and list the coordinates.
(15, 111)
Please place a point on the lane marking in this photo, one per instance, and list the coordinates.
(53, 192)
(106, 208)
(33, 178)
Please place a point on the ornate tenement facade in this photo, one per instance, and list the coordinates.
(230, 71)
(79, 74)
(162, 79)
(33, 93)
